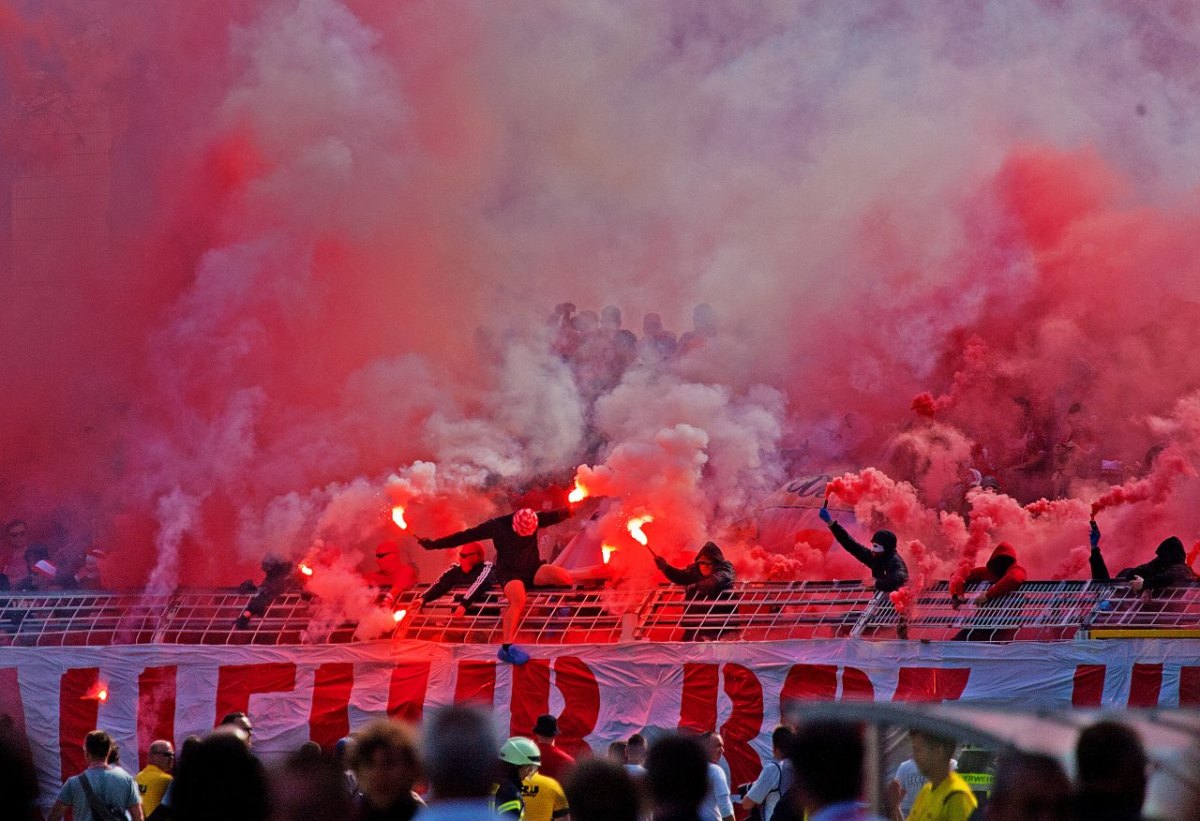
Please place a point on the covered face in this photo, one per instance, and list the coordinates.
(525, 522)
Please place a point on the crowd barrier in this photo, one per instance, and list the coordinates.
(751, 611)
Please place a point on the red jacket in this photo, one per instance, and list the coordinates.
(1001, 570)
(555, 762)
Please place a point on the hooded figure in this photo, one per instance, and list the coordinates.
(706, 577)
(1001, 570)
(1168, 568)
(888, 569)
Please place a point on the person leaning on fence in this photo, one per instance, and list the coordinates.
(706, 578)
(470, 571)
(1004, 575)
(1168, 568)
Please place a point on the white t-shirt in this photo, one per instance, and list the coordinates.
(765, 789)
(717, 803)
(912, 781)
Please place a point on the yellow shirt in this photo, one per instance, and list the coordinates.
(544, 798)
(151, 783)
(952, 800)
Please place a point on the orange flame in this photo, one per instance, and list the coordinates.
(399, 615)
(578, 494)
(606, 552)
(635, 528)
(102, 694)
(98, 691)
(398, 517)
(305, 569)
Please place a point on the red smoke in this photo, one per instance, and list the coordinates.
(271, 267)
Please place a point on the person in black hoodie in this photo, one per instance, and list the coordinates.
(706, 578)
(470, 570)
(887, 567)
(1168, 568)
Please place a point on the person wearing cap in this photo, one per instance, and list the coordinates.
(518, 565)
(887, 567)
(519, 759)
(555, 762)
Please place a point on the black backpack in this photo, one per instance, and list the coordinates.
(100, 812)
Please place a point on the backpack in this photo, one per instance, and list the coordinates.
(784, 787)
(100, 812)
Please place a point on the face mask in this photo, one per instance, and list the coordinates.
(877, 550)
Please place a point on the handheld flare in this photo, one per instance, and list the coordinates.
(398, 517)
(578, 494)
(635, 530)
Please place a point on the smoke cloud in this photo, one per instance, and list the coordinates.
(270, 268)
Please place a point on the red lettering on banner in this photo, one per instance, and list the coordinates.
(155, 708)
(78, 710)
(581, 703)
(1145, 684)
(698, 704)
(476, 683)
(931, 683)
(406, 695)
(1189, 686)
(329, 718)
(581, 700)
(11, 707)
(809, 682)
(530, 695)
(237, 682)
(744, 723)
(856, 685)
(1088, 687)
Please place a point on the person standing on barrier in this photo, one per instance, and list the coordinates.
(706, 578)
(518, 564)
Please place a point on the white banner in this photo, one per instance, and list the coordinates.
(599, 692)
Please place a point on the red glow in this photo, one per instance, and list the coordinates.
(399, 615)
(398, 517)
(606, 552)
(306, 570)
(578, 494)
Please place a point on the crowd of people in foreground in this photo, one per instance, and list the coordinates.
(459, 770)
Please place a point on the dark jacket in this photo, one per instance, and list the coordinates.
(1001, 570)
(700, 586)
(478, 581)
(1168, 568)
(888, 569)
(516, 555)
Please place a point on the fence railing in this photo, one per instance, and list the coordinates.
(751, 611)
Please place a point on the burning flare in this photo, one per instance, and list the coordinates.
(606, 552)
(398, 517)
(305, 569)
(578, 494)
(635, 529)
(399, 615)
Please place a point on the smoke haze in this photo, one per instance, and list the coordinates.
(272, 267)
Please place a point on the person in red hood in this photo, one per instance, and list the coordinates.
(1004, 575)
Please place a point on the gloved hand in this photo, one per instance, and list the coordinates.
(979, 598)
(825, 515)
(956, 601)
(1094, 534)
(660, 562)
(1136, 584)
(425, 543)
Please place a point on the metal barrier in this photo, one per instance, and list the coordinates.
(751, 611)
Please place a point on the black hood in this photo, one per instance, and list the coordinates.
(713, 553)
(885, 539)
(1171, 550)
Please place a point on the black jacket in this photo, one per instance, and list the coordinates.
(516, 555)
(888, 569)
(1168, 568)
(478, 581)
(700, 586)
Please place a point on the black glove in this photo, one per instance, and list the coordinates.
(425, 543)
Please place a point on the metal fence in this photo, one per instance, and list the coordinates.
(752, 611)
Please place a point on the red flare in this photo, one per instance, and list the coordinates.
(635, 529)
(1154, 488)
(578, 494)
(606, 552)
(305, 569)
(398, 517)
(98, 691)
(399, 615)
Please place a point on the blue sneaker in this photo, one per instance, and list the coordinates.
(513, 655)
